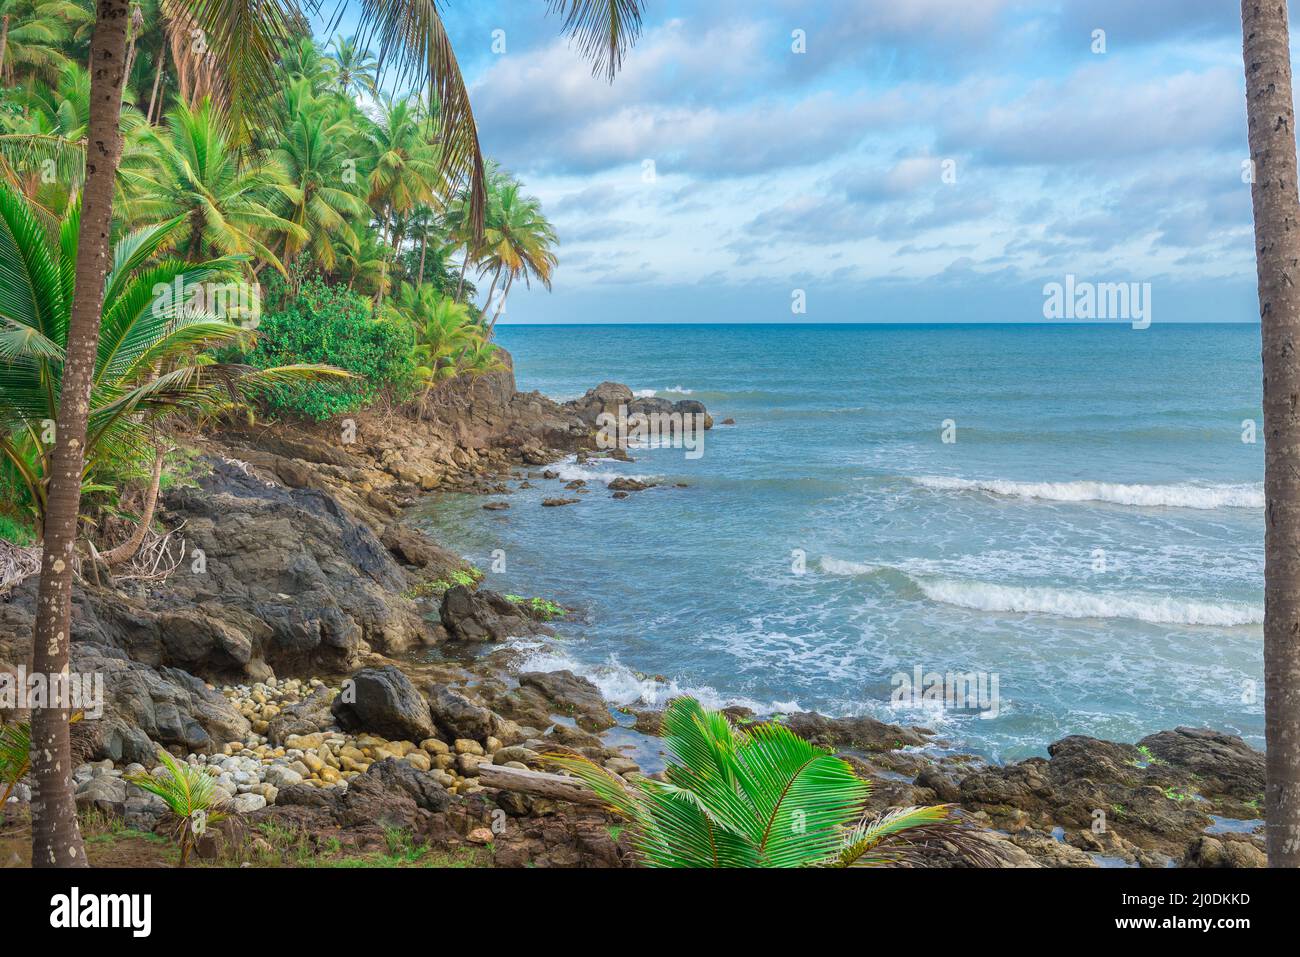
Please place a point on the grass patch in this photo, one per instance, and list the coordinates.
(542, 608)
(16, 530)
(436, 589)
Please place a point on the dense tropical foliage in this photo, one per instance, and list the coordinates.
(338, 216)
(241, 58)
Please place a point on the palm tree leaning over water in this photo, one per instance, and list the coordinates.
(1271, 117)
(243, 36)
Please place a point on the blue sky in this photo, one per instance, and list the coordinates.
(824, 170)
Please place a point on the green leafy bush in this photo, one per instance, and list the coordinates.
(329, 324)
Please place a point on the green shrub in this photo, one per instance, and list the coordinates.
(331, 325)
(16, 530)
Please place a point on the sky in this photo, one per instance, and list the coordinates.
(878, 160)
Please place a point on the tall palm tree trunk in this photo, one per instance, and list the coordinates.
(131, 547)
(4, 40)
(157, 78)
(56, 839)
(460, 286)
(501, 304)
(492, 291)
(1271, 118)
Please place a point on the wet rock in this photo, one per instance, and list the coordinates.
(866, 734)
(623, 484)
(564, 693)
(1219, 851)
(557, 502)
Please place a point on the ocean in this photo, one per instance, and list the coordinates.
(1068, 516)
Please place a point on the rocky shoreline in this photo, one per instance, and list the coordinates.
(339, 674)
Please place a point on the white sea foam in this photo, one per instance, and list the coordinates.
(1144, 496)
(651, 393)
(837, 566)
(570, 471)
(620, 685)
(1063, 603)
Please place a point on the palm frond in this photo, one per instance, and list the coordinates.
(604, 30)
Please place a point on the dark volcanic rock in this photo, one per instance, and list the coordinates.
(484, 616)
(1223, 763)
(288, 577)
(416, 549)
(457, 716)
(563, 693)
(866, 734)
(1149, 806)
(383, 701)
(622, 484)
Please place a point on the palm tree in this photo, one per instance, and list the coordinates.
(354, 68)
(50, 134)
(303, 61)
(227, 204)
(758, 797)
(149, 362)
(1271, 117)
(190, 794)
(517, 242)
(312, 154)
(405, 170)
(364, 268)
(31, 32)
(243, 40)
(442, 328)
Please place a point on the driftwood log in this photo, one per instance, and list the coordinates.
(553, 786)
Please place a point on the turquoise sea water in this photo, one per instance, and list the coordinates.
(1093, 537)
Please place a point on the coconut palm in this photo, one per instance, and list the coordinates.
(1271, 115)
(303, 61)
(191, 796)
(405, 169)
(443, 328)
(151, 360)
(42, 150)
(243, 41)
(758, 797)
(479, 358)
(323, 204)
(31, 32)
(227, 203)
(365, 268)
(354, 68)
(517, 241)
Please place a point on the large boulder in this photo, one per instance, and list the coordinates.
(570, 695)
(865, 734)
(295, 580)
(383, 701)
(606, 397)
(484, 616)
(457, 716)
